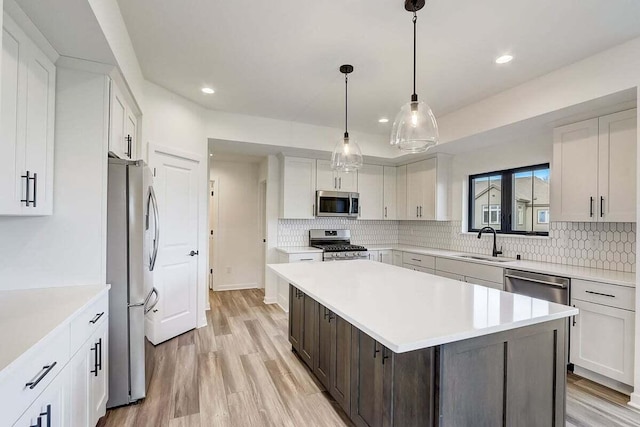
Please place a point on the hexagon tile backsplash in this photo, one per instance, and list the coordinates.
(609, 246)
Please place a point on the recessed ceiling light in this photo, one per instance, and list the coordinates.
(504, 59)
(208, 90)
(383, 120)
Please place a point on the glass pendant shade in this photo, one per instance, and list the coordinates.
(346, 156)
(415, 128)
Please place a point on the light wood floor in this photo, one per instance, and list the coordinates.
(239, 371)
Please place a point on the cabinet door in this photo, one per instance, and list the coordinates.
(117, 122)
(322, 362)
(397, 258)
(99, 388)
(340, 370)
(81, 377)
(385, 257)
(371, 186)
(390, 192)
(373, 255)
(51, 408)
(574, 186)
(617, 167)
(28, 106)
(326, 179)
(602, 340)
(401, 193)
(348, 181)
(295, 317)
(299, 188)
(429, 186)
(307, 342)
(367, 406)
(415, 191)
(131, 129)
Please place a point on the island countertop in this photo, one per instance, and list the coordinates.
(406, 310)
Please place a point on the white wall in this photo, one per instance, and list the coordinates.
(69, 247)
(520, 152)
(237, 246)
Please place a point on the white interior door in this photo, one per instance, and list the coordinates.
(175, 273)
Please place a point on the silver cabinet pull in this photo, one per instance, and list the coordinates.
(153, 202)
(335, 182)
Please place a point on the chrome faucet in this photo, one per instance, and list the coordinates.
(495, 252)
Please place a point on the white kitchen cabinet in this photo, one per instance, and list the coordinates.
(298, 195)
(371, 189)
(448, 275)
(373, 255)
(401, 192)
(27, 126)
(99, 382)
(283, 285)
(390, 193)
(594, 169)
(331, 180)
(420, 269)
(602, 340)
(397, 258)
(51, 408)
(123, 125)
(428, 188)
(385, 256)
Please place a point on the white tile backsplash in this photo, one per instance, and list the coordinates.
(609, 246)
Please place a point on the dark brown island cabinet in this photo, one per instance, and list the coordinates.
(512, 378)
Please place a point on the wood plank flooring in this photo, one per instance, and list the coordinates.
(239, 371)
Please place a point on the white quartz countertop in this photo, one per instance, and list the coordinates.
(28, 316)
(408, 310)
(298, 249)
(571, 271)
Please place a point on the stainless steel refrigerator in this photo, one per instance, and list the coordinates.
(132, 248)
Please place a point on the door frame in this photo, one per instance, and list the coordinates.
(213, 204)
(202, 180)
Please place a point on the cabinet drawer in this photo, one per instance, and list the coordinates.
(420, 269)
(471, 269)
(88, 321)
(305, 257)
(604, 293)
(419, 260)
(38, 370)
(487, 283)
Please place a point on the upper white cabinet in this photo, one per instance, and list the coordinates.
(401, 192)
(330, 180)
(389, 193)
(371, 189)
(594, 170)
(123, 126)
(297, 198)
(27, 110)
(427, 189)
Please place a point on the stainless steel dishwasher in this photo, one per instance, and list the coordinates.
(536, 285)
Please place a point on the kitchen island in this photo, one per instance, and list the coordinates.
(396, 347)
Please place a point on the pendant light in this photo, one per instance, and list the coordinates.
(346, 156)
(415, 129)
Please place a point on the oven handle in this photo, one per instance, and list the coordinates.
(542, 282)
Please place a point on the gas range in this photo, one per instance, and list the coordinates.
(336, 245)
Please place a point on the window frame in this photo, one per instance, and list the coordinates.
(508, 212)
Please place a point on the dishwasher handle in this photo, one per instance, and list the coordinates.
(542, 282)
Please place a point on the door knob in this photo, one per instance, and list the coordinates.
(193, 253)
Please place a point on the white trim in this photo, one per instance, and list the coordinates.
(270, 301)
(236, 286)
(84, 65)
(22, 20)
(605, 381)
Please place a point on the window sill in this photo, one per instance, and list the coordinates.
(502, 235)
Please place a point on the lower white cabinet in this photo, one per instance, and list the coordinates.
(51, 408)
(397, 258)
(448, 275)
(89, 379)
(602, 336)
(283, 285)
(384, 256)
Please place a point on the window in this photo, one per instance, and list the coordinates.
(514, 201)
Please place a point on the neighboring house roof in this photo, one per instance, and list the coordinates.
(523, 190)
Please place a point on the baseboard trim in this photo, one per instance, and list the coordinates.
(270, 300)
(635, 401)
(236, 287)
(283, 303)
(605, 381)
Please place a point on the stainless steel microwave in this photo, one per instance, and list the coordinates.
(337, 203)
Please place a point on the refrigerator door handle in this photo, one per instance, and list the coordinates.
(152, 201)
(155, 301)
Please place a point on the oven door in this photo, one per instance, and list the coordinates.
(333, 203)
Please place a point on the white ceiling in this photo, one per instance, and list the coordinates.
(280, 58)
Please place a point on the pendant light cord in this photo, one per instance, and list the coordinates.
(346, 98)
(414, 97)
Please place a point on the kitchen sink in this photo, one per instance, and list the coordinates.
(485, 258)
